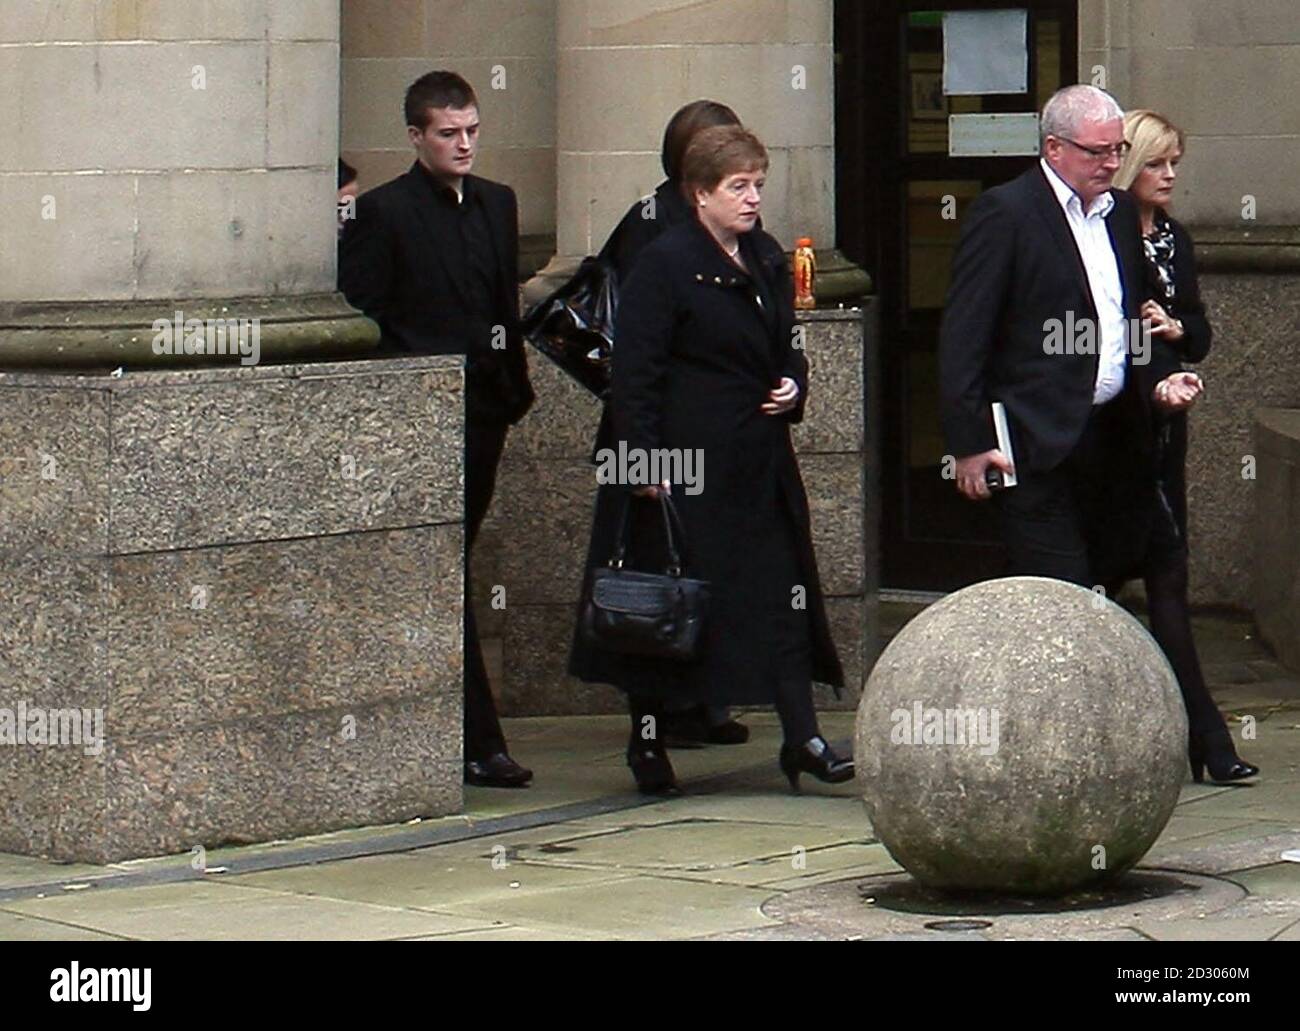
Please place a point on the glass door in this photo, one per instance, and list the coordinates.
(935, 103)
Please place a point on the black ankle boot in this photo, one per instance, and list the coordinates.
(816, 757)
(1216, 751)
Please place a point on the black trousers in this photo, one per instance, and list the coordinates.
(484, 443)
(1082, 521)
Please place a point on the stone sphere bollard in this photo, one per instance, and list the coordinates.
(1023, 735)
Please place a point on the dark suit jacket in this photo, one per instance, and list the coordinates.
(394, 266)
(1017, 267)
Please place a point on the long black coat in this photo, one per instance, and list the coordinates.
(695, 356)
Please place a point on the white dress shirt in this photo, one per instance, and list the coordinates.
(1102, 266)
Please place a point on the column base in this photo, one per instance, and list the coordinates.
(104, 335)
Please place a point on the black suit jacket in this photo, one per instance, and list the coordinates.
(1016, 268)
(395, 266)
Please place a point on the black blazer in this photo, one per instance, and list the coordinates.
(393, 267)
(1016, 267)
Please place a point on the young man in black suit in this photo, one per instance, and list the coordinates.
(433, 257)
(1043, 314)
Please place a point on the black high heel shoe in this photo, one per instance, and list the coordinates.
(653, 773)
(816, 757)
(1216, 751)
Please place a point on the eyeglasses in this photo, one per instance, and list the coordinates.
(1096, 153)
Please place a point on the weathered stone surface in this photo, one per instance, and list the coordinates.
(544, 510)
(213, 457)
(170, 793)
(204, 636)
(1256, 322)
(535, 681)
(1277, 529)
(854, 630)
(834, 484)
(834, 417)
(54, 800)
(1076, 758)
(53, 630)
(563, 423)
(274, 649)
(54, 445)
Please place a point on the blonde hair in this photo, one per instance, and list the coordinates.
(1151, 136)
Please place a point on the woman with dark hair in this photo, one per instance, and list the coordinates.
(666, 207)
(685, 724)
(706, 363)
(1177, 319)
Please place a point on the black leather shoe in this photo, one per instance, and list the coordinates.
(816, 757)
(729, 733)
(1217, 752)
(653, 773)
(497, 771)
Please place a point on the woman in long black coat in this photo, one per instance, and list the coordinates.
(645, 221)
(1178, 321)
(707, 362)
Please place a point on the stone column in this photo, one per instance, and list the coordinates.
(176, 155)
(230, 595)
(1223, 71)
(622, 69)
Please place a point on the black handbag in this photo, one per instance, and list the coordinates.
(574, 326)
(660, 615)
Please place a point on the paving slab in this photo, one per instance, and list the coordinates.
(516, 933)
(175, 912)
(634, 908)
(16, 927)
(429, 879)
(1217, 928)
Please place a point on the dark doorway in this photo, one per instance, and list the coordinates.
(900, 196)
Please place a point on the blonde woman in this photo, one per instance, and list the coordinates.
(1177, 318)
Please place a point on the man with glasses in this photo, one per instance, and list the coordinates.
(1043, 315)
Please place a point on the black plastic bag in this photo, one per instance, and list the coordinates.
(574, 326)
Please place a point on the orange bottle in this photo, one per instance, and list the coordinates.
(805, 271)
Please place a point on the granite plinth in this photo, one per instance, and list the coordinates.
(254, 576)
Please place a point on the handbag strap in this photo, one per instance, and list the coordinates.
(671, 520)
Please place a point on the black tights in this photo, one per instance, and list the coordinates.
(1171, 626)
(794, 706)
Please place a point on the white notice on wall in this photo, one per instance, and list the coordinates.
(985, 52)
(993, 136)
